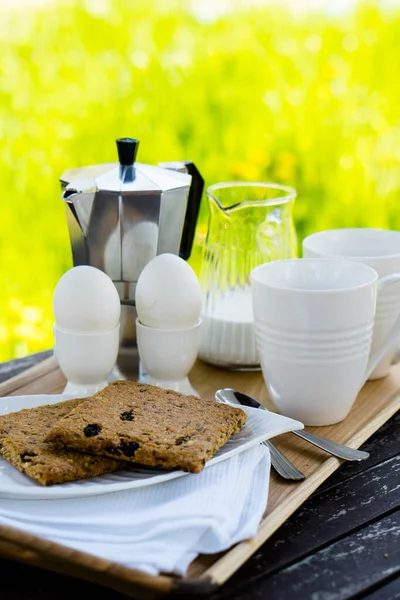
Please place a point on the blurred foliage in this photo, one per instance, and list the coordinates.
(256, 93)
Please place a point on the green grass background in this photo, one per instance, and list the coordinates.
(259, 93)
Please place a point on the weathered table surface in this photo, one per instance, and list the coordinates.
(343, 543)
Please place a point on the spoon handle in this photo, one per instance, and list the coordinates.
(282, 465)
(332, 447)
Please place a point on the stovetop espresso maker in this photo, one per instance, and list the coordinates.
(122, 215)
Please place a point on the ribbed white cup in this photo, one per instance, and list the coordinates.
(379, 249)
(315, 348)
(314, 321)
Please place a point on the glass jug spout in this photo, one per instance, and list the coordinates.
(232, 195)
(249, 224)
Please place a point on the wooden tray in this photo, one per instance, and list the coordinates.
(377, 402)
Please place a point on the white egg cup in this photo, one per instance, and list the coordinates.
(86, 359)
(167, 355)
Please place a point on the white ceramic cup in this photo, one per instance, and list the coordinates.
(167, 355)
(86, 359)
(314, 321)
(379, 249)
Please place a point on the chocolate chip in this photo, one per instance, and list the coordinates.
(128, 448)
(127, 416)
(92, 430)
(27, 456)
(182, 440)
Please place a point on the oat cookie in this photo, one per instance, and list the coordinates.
(149, 425)
(22, 436)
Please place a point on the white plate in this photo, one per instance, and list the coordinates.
(261, 425)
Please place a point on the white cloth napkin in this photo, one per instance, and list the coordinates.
(159, 528)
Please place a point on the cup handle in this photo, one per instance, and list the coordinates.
(394, 334)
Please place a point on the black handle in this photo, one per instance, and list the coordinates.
(247, 400)
(127, 151)
(192, 210)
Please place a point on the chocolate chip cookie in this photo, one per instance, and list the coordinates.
(148, 425)
(22, 443)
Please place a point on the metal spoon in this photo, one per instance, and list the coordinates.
(279, 462)
(234, 397)
(282, 465)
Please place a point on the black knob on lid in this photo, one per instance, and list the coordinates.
(127, 150)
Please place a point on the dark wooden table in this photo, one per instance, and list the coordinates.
(343, 543)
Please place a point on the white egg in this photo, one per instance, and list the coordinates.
(168, 294)
(85, 300)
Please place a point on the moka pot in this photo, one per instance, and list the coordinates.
(120, 216)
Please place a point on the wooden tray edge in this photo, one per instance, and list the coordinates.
(39, 370)
(19, 545)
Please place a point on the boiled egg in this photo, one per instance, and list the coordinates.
(85, 300)
(168, 294)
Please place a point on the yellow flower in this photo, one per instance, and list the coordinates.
(246, 171)
(286, 167)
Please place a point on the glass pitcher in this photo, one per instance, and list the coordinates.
(249, 224)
